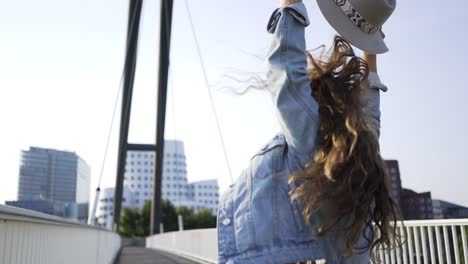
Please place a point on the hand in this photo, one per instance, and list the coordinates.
(285, 3)
(371, 59)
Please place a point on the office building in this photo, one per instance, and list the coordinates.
(51, 178)
(204, 194)
(138, 183)
(446, 210)
(393, 171)
(416, 206)
(104, 211)
(140, 170)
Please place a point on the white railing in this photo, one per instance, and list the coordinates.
(431, 241)
(200, 244)
(31, 237)
(428, 241)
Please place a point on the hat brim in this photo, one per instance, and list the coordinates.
(372, 43)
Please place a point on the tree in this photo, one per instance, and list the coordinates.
(134, 223)
(145, 217)
(188, 217)
(130, 223)
(168, 218)
(205, 219)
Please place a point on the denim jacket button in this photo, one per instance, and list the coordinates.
(226, 221)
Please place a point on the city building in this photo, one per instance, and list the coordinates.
(104, 210)
(55, 182)
(412, 205)
(416, 206)
(140, 169)
(57, 208)
(393, 171)
(204, 194)
(138, 184)
(446, 210)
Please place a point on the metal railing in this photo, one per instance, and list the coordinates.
(31, 237)
(431, 241)
(199, 245)
(427, 241)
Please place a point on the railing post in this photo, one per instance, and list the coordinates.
(405, 250)
(424, 244)
(439, 245)
(447, 245)
(431, 244)
(181, 222)
(464, 242)
(410, 245)
(416, 244)
(455, 245)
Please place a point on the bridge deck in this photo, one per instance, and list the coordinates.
(138, 255)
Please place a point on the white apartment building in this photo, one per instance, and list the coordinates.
(106, 205)
(204, 194)
(138, 184)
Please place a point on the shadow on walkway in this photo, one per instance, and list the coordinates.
(138, 255)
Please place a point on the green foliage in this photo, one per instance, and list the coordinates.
(206, 219)
(136, 224)
(169, 216)
(146, 216)
(188, 217)
(203, 219)
(131, 223)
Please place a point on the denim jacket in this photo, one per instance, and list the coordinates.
(257, 222)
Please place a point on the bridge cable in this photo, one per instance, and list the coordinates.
(213, 108)
(116, 103)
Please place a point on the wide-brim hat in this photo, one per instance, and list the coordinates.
(359, 21)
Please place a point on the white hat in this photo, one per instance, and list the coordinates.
(359, 21)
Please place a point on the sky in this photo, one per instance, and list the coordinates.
(61, 62)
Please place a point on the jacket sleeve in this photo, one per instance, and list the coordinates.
(289, 83)
(372, 102)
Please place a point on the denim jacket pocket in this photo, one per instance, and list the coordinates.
(265, 165)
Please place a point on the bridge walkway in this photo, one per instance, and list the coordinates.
(139, 255)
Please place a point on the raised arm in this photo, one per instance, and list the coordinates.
(372, 95)
(288, 80)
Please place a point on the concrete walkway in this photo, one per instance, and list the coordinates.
(138, 255)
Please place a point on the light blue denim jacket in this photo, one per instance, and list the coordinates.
(257, 222)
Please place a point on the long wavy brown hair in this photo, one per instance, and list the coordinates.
(347, 177)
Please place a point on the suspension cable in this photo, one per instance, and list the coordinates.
(92, 219)
(213, 108)
(116, 103)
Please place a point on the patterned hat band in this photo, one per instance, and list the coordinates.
(355, 17)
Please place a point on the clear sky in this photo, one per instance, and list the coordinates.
(61, 61)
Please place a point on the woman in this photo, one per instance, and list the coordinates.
(318, 189)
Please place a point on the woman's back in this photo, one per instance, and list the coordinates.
(258, 221)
